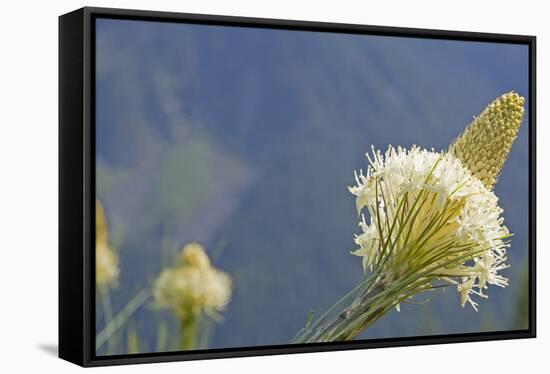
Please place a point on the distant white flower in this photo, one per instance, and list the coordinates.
(430, 216)
(193, 286)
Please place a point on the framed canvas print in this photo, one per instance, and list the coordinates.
(238, 186)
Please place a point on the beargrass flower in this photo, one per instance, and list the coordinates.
(106, 259)
(193, 287)
(428, 220)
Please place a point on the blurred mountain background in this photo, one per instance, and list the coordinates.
(245, 140)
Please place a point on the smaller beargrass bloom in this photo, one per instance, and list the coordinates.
(192, 288)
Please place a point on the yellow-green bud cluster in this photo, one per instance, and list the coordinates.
(486, 142)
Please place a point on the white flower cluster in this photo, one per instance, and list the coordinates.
(430, 215)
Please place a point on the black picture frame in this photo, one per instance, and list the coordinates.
(77, 185)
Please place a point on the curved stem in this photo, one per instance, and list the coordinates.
(114, 324)
(351, 315)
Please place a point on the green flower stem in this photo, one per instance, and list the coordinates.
(351, 315)
(374, 297)
(189, 331)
